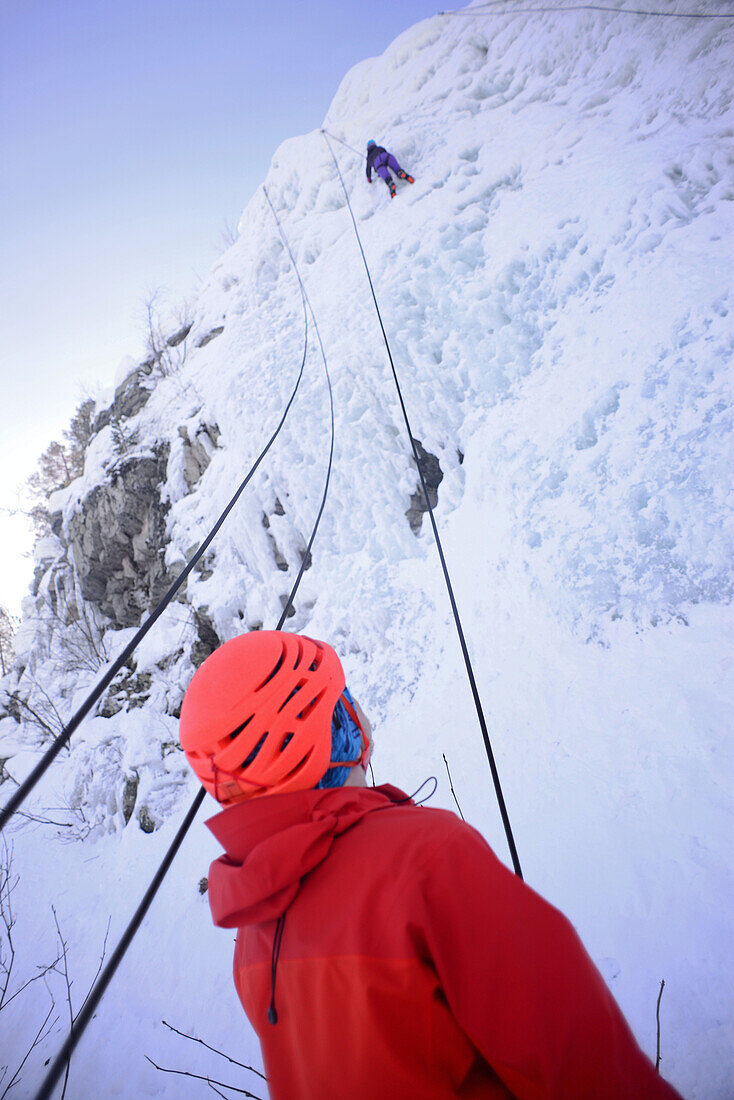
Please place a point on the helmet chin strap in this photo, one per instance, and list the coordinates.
(215, 770)
(236, 780)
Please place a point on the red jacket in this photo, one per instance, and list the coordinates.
(413, 965)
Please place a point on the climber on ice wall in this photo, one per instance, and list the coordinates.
(382, 162)
(382, 949)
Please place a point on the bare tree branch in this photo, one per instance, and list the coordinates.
(68, 984)
(8, 627)
(99, 968)
(42, 972)
(73, 1016)
(166, 355)
(458, 807)
(657, 1014)
(80, 634)
(14, 700)
(215, 1089)
(228, 235)
(57, 720)
(40, 820)
(40, 1036)
(209, 1080)
(213, 1049)
(8, 882)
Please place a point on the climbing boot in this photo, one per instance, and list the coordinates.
(405, 176)
(393, 191)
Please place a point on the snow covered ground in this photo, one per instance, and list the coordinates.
(556, 287)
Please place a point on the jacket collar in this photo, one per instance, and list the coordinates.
(271, 843)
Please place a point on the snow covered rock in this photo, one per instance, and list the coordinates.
(118, 539)
(132, 394)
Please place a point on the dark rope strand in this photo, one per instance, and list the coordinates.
(595, 7)
(307, 302)
(357, 151)
(116, 958)
(100, 986)
(464, 649)
(52, 752)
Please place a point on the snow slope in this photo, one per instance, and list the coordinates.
(556, 290)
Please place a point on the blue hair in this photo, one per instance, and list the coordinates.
(346, 744)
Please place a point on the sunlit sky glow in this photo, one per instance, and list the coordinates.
(132, 133)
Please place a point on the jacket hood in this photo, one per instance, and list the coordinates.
(271, 843)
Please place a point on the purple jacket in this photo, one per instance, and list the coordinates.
(373, 153)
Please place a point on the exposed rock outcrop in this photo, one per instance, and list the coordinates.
(147, 823)
(130, 397)
(127, 692)
(207, 638)
(130, 795)
(118, 539)
(433, 476)
(211, 335)
(198, 451)
(278, 557)
(178, 337)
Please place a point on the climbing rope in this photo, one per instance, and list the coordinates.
(98, 989)
(97, 992)
(462, 640)
(54, 749)
(594, 7)
(307, 302)
(357, 151)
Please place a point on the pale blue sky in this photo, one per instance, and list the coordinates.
(131, 131)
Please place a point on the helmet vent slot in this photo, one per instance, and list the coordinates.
(296, 689)
(228, 738)
(246, 763)
(239, 729)
(310, 707)
(273, 673)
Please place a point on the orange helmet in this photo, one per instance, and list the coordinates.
(256, 718)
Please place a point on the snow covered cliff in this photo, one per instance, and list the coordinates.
(556, 287)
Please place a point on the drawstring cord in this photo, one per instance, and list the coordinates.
(277, 939)
(280, 925)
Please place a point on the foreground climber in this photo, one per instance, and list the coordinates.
(382, 950)
(383, 162)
